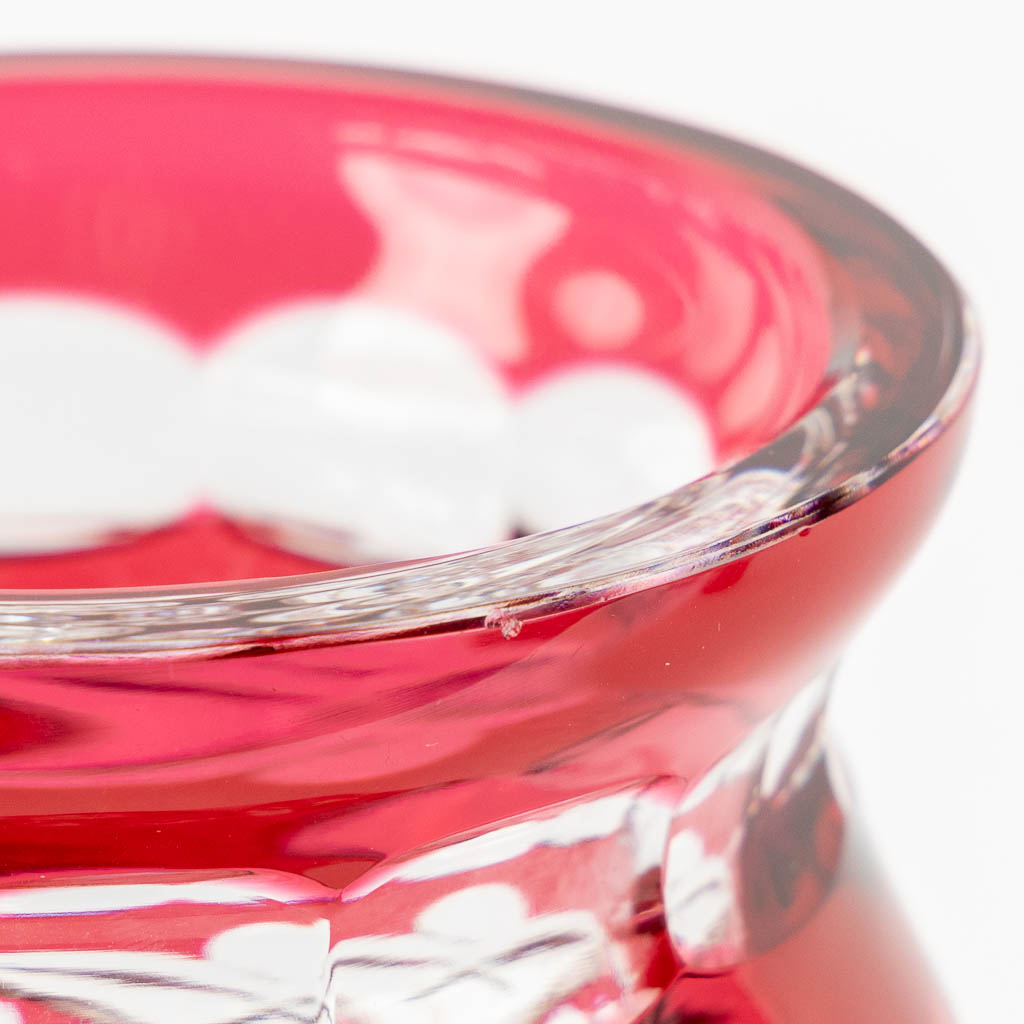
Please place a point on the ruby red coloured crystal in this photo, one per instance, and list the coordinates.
(575, 776)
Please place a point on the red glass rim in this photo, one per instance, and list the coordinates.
(834, 454)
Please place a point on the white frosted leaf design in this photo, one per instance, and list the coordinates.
(602, 438)
(97, 411)
(378, 427)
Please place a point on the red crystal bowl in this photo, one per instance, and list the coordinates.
(432, 513)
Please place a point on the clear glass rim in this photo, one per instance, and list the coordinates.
(671, 537)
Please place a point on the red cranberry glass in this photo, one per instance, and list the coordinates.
(431, 513)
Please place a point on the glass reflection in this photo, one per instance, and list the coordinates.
(452, 245)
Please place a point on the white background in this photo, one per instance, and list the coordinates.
(916, 105)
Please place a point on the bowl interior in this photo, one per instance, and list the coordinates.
(254, 327)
